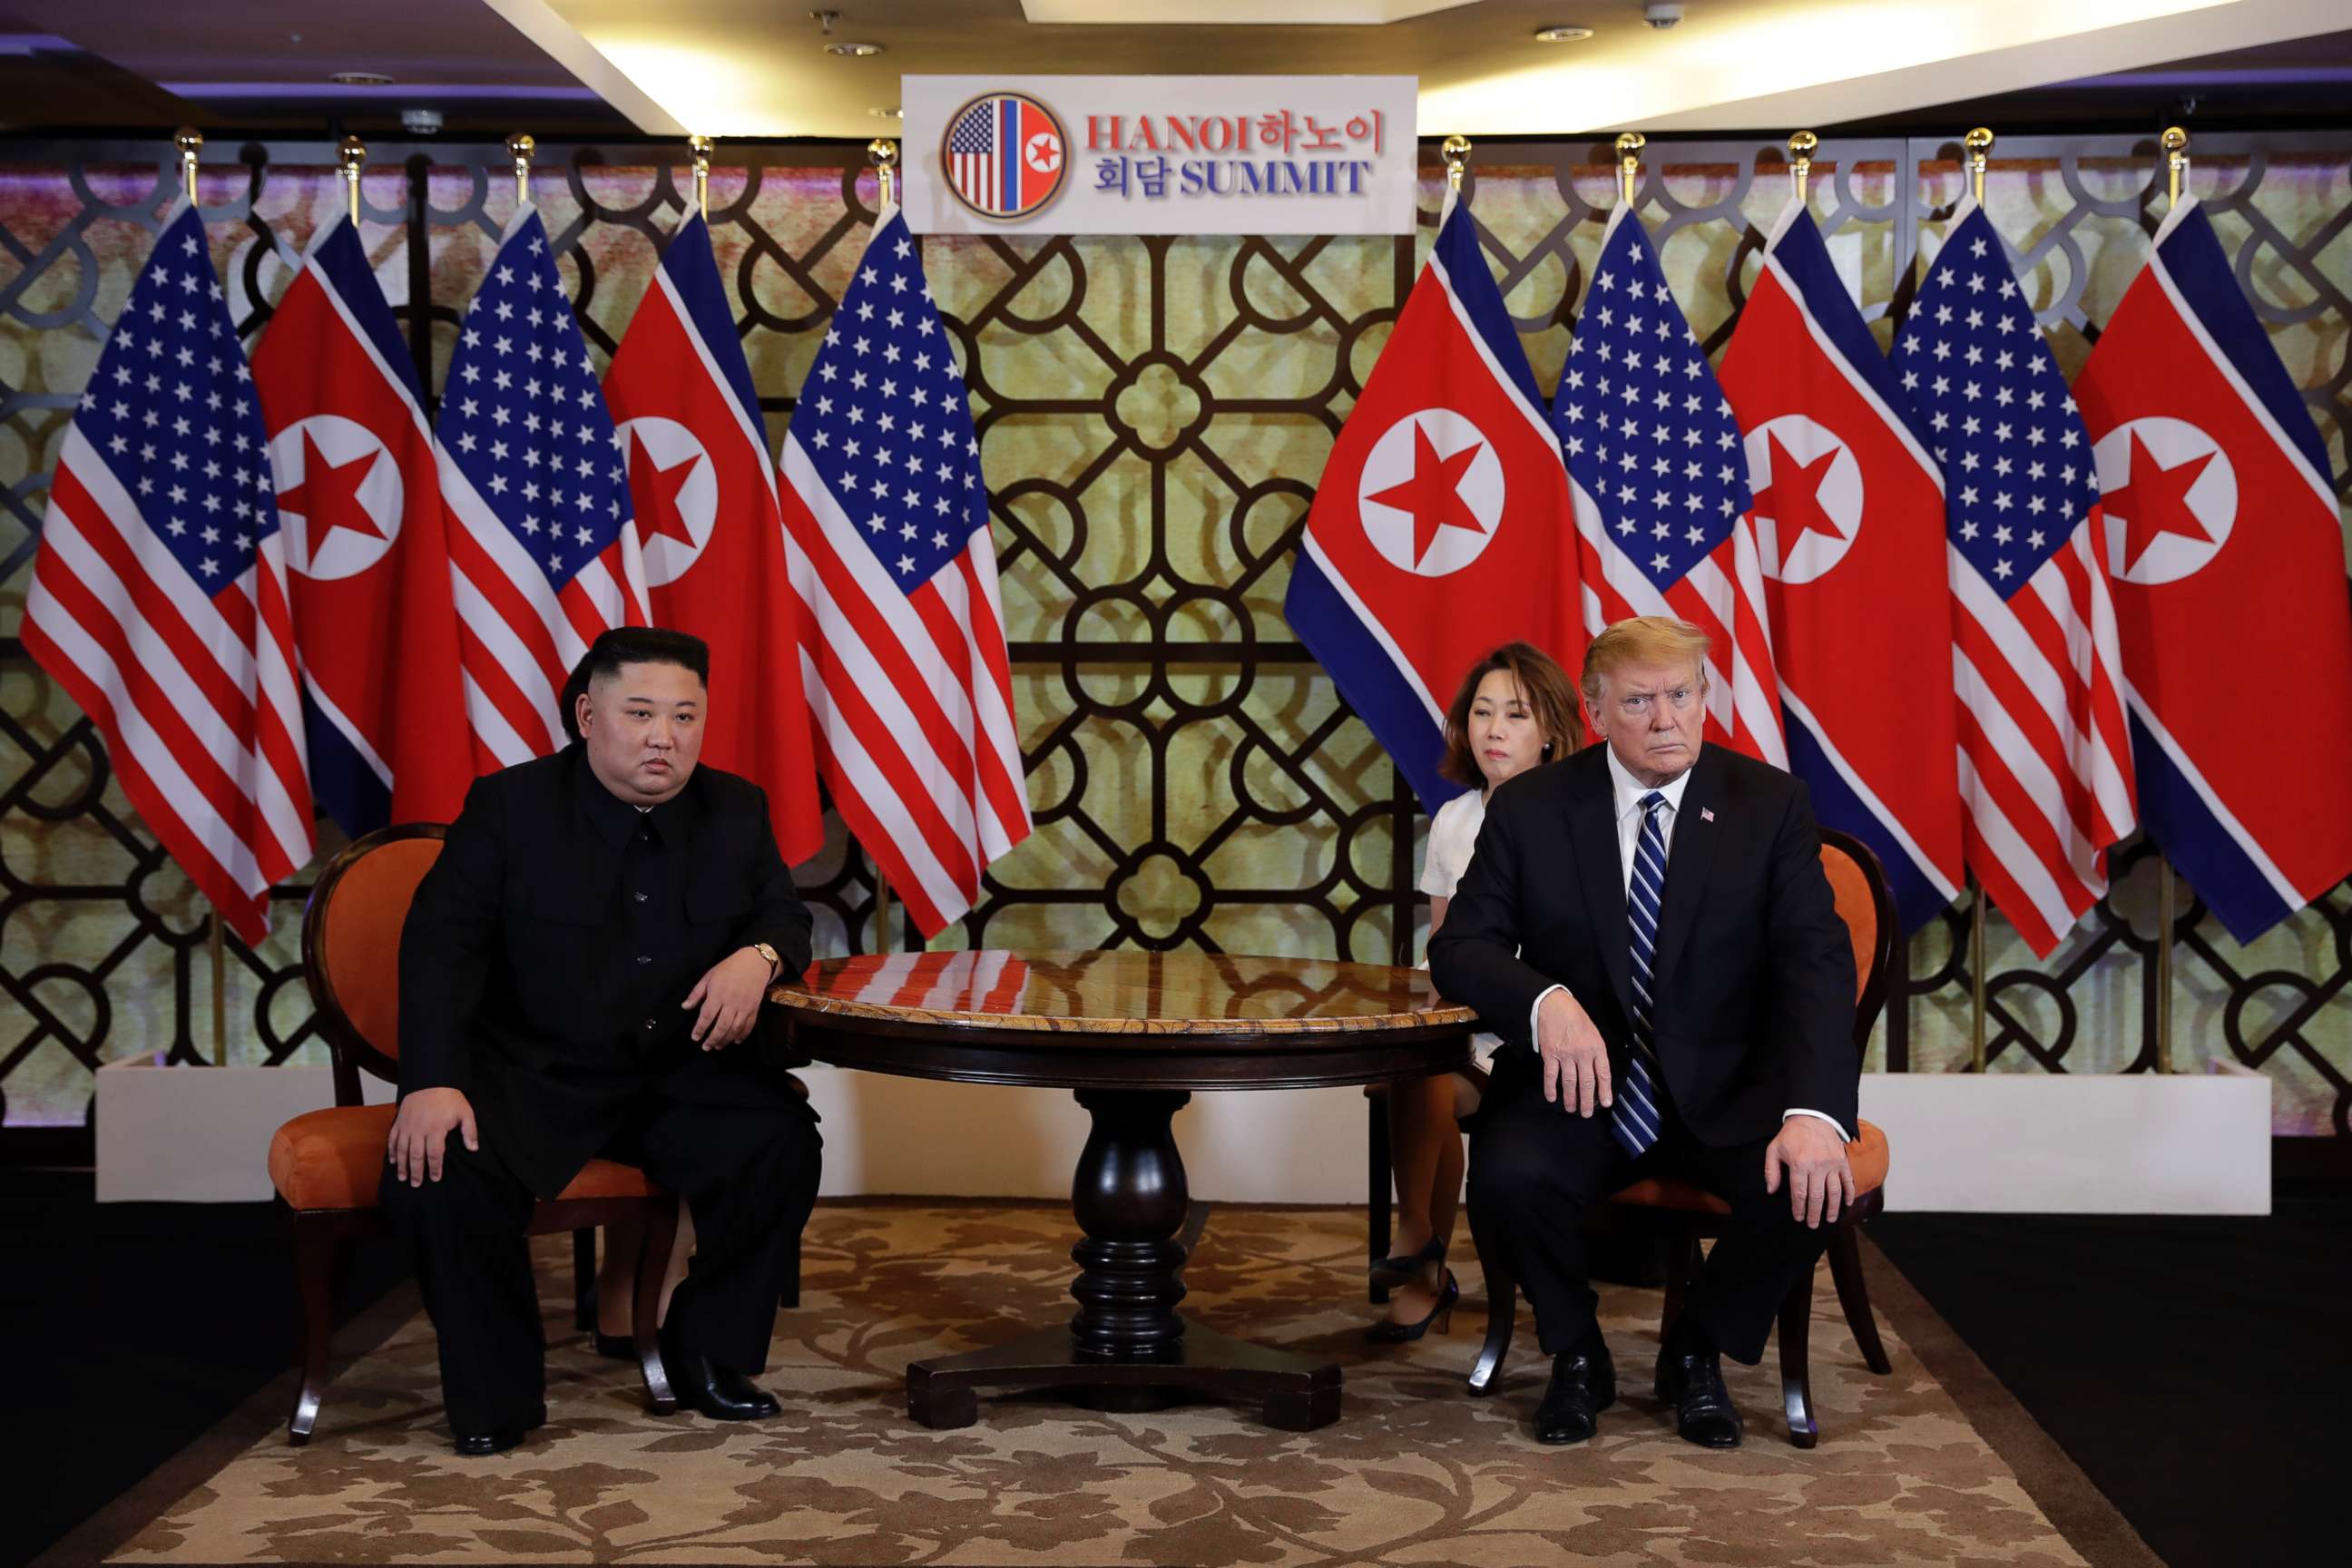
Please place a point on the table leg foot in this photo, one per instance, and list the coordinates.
(1291, 1392)
(941, 1406)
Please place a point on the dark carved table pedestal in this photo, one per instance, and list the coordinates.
(1134, 1034)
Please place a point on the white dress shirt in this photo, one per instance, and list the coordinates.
(1627, 792)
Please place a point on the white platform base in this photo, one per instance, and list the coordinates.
(200, 1134)
(2061, 1143)
(1999, 1143)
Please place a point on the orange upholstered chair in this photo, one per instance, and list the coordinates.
(1685, 1215)
(326, 1164)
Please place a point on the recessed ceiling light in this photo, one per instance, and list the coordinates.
(855, 51)
(359, 79)
(1562, 34)
(880, 113)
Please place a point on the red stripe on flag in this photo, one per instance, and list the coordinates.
(1001, 776)
(154, 607)
(245, 913)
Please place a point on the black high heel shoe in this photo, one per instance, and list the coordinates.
(1388, 1273)
(1388, 1331)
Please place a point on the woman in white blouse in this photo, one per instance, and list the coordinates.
(1516, 709)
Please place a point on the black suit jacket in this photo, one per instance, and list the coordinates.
(535, 979)
(1754, 1010)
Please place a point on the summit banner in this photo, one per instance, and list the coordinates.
(1159, 154)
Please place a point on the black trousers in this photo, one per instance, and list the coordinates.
(749, 1175)
(1536, 1168)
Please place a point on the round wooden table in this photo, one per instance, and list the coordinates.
(1134, 1034)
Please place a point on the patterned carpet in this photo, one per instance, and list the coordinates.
(1413, 1472)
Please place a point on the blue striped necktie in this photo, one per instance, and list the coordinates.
(1635, 1118)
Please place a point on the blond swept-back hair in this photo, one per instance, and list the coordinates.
(1643, 639)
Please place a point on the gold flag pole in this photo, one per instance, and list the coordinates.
(1629, 163)
(352, 153)
(1975, 976)
(190, 141)
(220, 994)
(2175, 142)
(881, 909)
(883, 154)
(1455, 151)
(1979, 145)
(520, 146)
(1801, 148)
(700, 147)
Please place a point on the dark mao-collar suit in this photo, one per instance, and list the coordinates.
(1753, 1016)
(542, 972)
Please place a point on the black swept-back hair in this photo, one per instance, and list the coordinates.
(618, 646)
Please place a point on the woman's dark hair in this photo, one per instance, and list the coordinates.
(629, 645)
(1548, 696)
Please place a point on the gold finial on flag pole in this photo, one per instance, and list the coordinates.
(2175, 142)
(1979, 145)
(1629, 163)
(1801, 148)
(1455, 151)
(191, 141)
(700, 147)
(351, 154)
(520, 147)
(883, 154)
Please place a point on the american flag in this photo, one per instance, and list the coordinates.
(2044, 756)
(537, 492)
(973, 154)
(902, 636)
(159, 595)
(1660, 486)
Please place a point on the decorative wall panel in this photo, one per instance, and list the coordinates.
(1154, 414)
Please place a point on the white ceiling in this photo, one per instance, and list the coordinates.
(753, 67)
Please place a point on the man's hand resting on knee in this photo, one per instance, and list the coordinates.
(1820, 1183)
(729, 995)
(1575, 1061)
(421, 1131)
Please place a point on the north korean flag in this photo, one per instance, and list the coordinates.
(1440, 527)
(2225, 553)
(1849, 518)
(710, 531)
(367, 555)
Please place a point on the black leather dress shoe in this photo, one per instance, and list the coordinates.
(721, 1393)
(1583, 1384)
(1690, 1381)
(497, 1440)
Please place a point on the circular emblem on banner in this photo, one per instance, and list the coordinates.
(1808, 491)
(2169, 496)
(338, 495)
(674, 488)
(1431, 495)
(1004, 155)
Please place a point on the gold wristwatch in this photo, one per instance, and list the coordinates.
(775, 960)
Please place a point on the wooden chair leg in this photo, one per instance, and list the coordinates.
(1502, 1308)
(314, 1280)
(584, 1280)
(1796, 1371)
(1853, 1295)
(1377, 1184)
(653, 1267)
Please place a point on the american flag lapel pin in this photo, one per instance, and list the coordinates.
(1707, 814)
